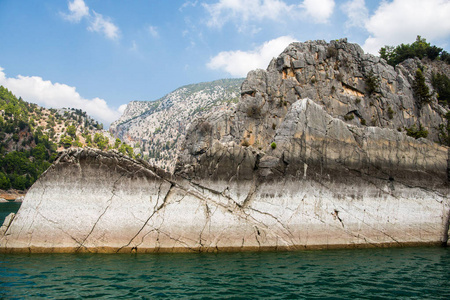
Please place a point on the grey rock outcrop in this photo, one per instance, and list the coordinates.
(156, 129)
(283, 169)
(334, 75)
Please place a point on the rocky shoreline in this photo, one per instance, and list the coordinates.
(286, 169)
(12, 196)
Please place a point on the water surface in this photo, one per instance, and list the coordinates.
(6, 208)
(408, 273)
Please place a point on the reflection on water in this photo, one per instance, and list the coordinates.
(413, 273)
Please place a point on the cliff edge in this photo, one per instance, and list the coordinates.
(286, 168)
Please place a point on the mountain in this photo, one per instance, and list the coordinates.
(319, 152)
(156, 128)
(31, 136)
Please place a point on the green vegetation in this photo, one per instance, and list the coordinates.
(415, 132)
(28, 137)
(24, 154)
(390, 112)
(273, 145)
(372, 83)
(444, 131)
(441, 84)
(420, 49)
(421, 90)
(349, 117)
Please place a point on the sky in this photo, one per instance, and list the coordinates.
(98, 55)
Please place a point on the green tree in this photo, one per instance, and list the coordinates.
(441, 84)
(101, 141)
(72, 131)
(421, 90)
(4, 182)
(420, 49)
(20, 182)
(66, 141)
(117, 143)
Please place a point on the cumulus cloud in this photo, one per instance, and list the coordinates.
(319, 10)
(78, 10)
(103, 25)
(356, 12)
(56, 95)
(239, 63)
(97, 22)
(400, 21)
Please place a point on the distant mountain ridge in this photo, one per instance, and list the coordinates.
(156, 128)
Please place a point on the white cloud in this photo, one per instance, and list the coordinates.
(122, 108)
(187, 4)
(356, 12)
(56, 95)
(400, 21)
(243, 11)
(104, 25)
(78, 10)
(239, 63)
(97, 23)
(153, 31)
(319, 10)
(248, 10)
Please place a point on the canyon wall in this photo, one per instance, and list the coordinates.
(288, 167)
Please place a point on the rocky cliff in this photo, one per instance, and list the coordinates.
(286, 168)
(156, 129)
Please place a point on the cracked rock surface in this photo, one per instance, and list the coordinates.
(282, 170)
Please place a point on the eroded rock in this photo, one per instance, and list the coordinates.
(286, 168)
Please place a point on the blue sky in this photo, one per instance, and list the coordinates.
(98, 55)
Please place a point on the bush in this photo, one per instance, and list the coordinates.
(417, 133)
(349, 117)
(273, 145)
(372, 83)
(390, 112)
(332, 52)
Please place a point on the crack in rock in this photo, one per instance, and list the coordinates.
(155, 210)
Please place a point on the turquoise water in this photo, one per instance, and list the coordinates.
(6, 208)
(400, 273)
(409, 273)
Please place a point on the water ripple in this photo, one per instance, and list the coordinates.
(413, 273)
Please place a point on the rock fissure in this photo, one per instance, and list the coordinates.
(267, 171)
(156, 210)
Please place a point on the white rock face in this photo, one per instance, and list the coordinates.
(277, 171)
(103, 202)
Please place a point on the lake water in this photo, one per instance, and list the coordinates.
(395, 273)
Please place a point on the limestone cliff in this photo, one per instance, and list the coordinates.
(156, 129)
(284, 169)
